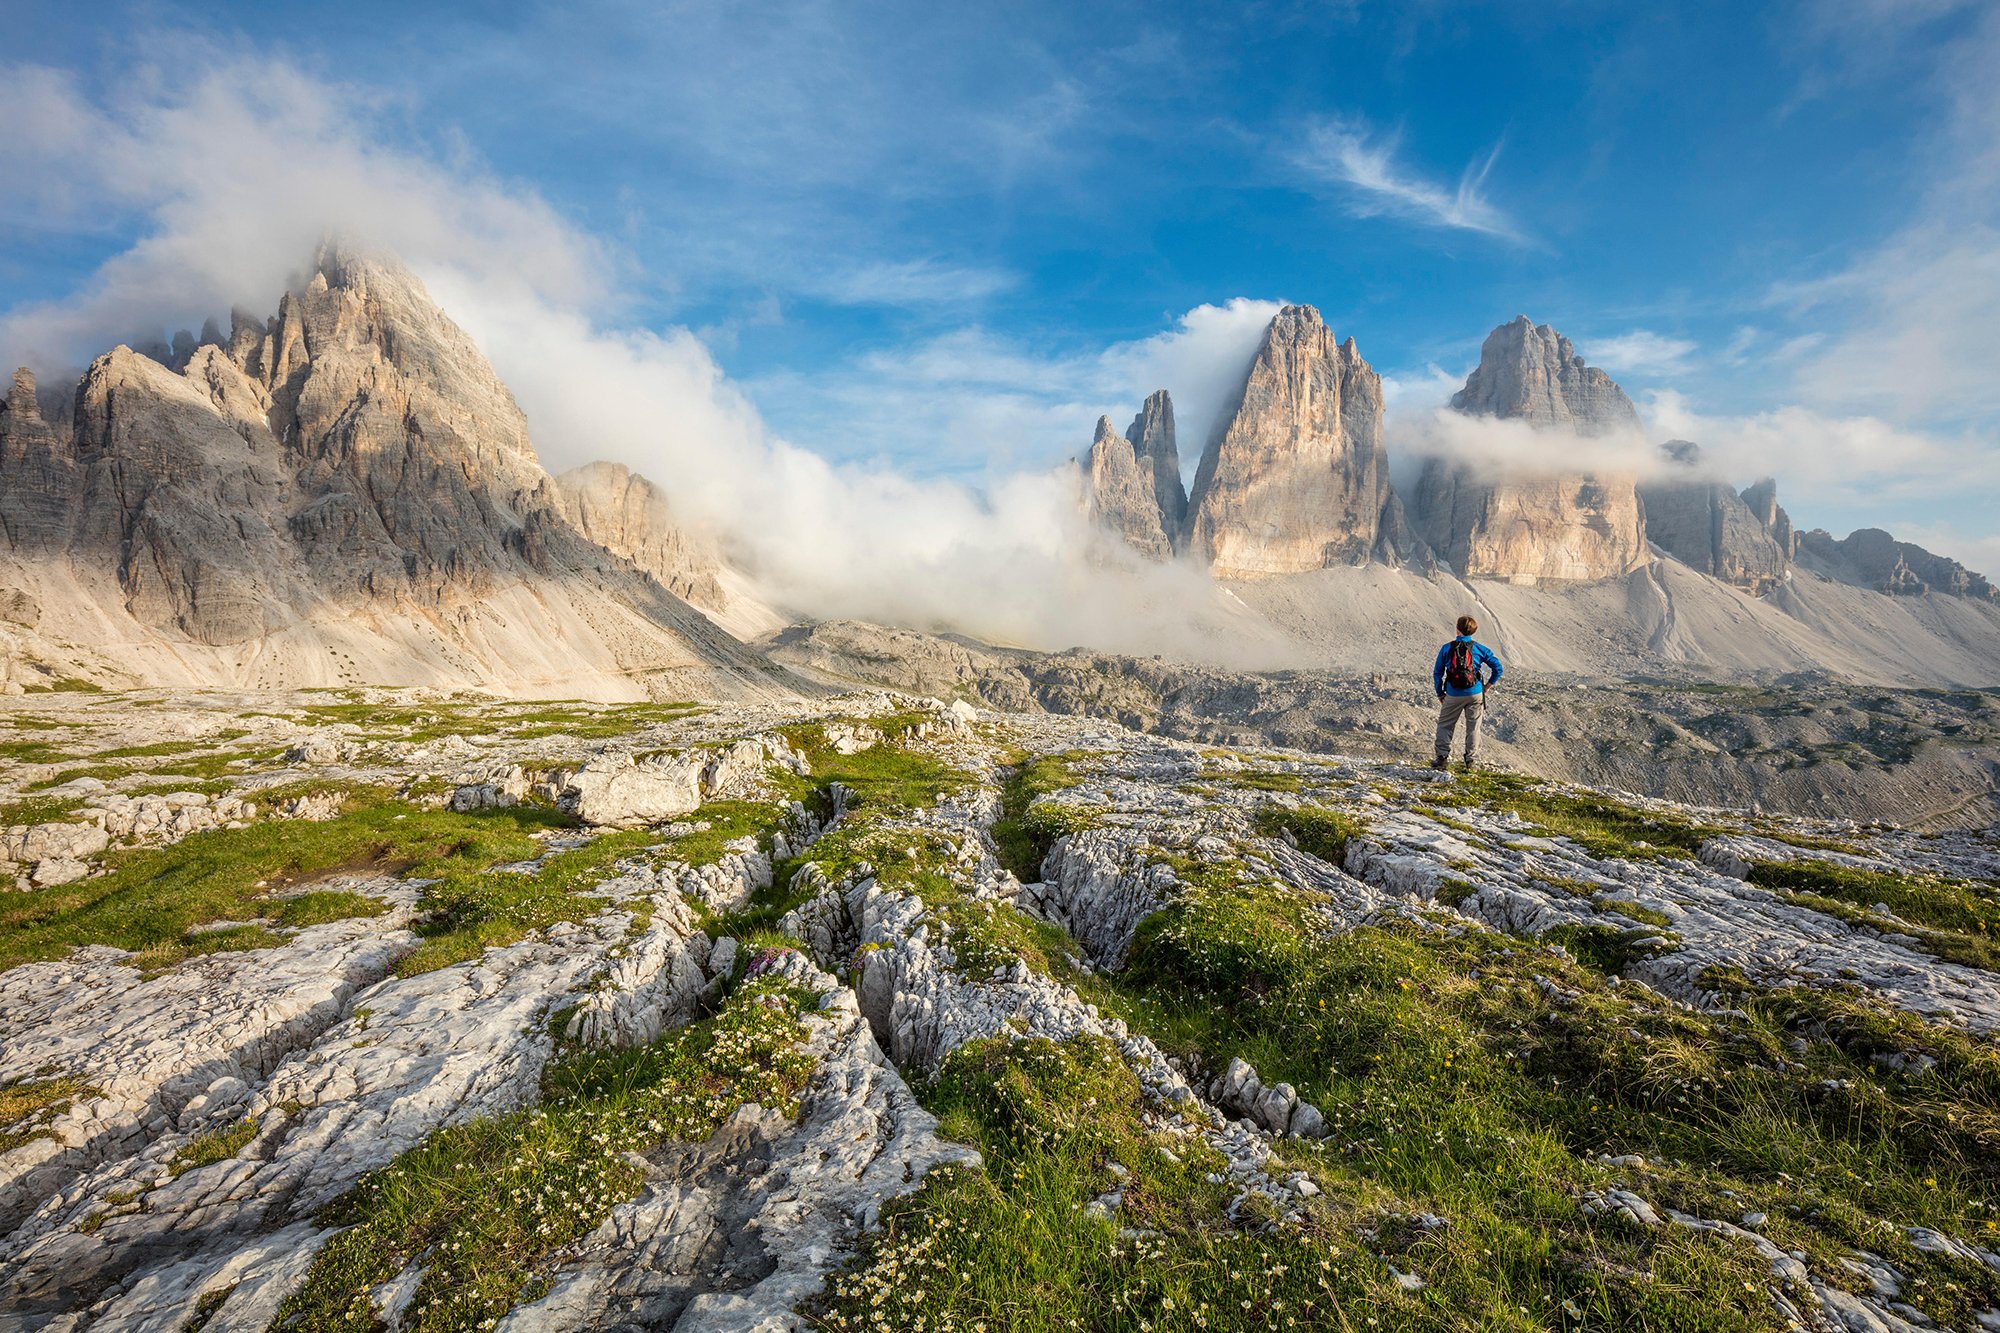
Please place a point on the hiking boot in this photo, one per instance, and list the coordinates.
(1469, 766)
(1441, 764)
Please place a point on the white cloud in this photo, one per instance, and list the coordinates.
(1923, 318)
(1911, 324)
(909, 282)
(1511, 449)
(970, 400)
(1372, 182)
(1641, 352)
(1838, 462)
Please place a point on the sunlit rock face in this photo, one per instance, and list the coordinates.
(630, 516)
(1554, 523)
(1296, 478)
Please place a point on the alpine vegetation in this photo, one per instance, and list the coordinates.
(874, 1012)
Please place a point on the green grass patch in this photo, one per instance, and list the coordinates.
(155, 749)
(1315, 829)
(1228, 934)
(1927, 900)
(36, 810)
(207, 1149)
(1028, 826)
(65, 685)
(468, 912)
(1478, 1078)
(34, 752)
(152, 900)
(1013, 1246)
(28, 1105)
(1607, 949)
(1602, 827)
(485, 1206)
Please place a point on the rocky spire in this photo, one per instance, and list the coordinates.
(1296, 478)
(1709, 527)
(1120, 493)
(1551, 524)
(1152, 437)
(21, 405)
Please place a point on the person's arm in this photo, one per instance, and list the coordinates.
(1493, 661)
(1437, 671)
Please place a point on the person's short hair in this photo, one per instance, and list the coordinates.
(1467, 625)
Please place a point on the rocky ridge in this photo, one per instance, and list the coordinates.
(343, 491)
(1283, 981)
(1873, 558)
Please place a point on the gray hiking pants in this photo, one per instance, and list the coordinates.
(1471, 707)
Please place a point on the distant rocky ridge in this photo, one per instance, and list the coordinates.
(1872, 558)
(1296, 480)
(344, 491)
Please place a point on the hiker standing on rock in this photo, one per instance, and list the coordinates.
(1460, 690)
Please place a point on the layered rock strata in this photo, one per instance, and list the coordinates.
(1296, 479)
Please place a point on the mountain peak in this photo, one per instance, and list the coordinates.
(1297, 478)
(1530, 372)
(1152, 438)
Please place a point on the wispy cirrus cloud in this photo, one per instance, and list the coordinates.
(909, 283)
(1363, 166)
(1642, 351)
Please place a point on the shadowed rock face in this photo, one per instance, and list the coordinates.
(1297, 478)
(354, 455)
(1121, 498)
(1152, 437)
(1132, 483)
(38, 491)
(1710, 528)
(1560, 526)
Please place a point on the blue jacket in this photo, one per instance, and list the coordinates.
(1482, 657)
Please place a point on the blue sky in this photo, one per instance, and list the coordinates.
(941, 239)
